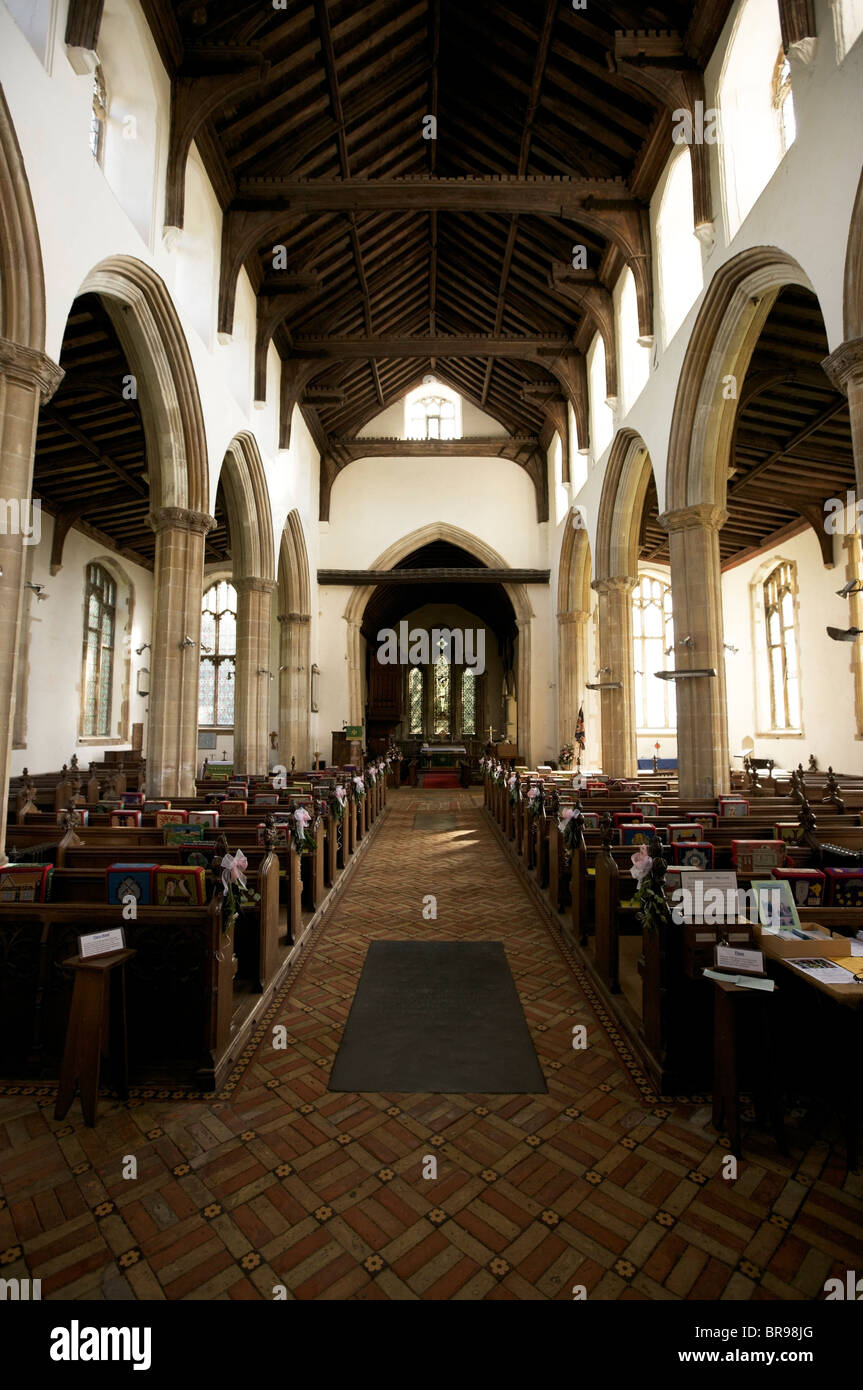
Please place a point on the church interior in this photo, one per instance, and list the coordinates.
(431, 650)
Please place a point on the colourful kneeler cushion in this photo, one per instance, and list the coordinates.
(692, 854)
(627, 817)
(83, 816)
(757, 856)
(25, 883)
(708, 820)
(640, 833)
(233, 808)
(183, 834)
(808, 886)
(135, 880)
(210, 818)
(645, 808)
(134, 799)
(788, 831)
(119, 818)
(171, 818)
(844, 887)
(177, 885)
(733, 806)
(281, 829)
(161, 805)
(685, 830)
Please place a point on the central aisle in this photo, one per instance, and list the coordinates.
(279, 1183)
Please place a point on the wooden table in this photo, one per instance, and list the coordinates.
(728, 1000)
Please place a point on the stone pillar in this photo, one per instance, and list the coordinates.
(844, 367)
(619, 749)
(27, 380)
(702, 720)
(178, 582)
(522, 693)
(295, 691)
(572, 672)
(252, 676)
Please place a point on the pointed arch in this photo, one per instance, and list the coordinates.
(22, 282)
(853, 297)
(152, 337)
(621, 505)
(727, 328)
(294, 598)
(573, 617)
(517, 593)
(247, 500)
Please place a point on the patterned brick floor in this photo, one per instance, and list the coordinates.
(282, 1184)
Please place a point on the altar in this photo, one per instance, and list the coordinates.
(441, 757)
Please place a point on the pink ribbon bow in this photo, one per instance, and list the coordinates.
(233, 870)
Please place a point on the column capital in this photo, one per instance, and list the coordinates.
(27, 367)
(180, 519)
(250, 584)
(576, 619)
(615, 584)
(845, 364)
(294, 618)
(700, 516)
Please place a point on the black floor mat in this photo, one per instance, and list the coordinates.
(437, 1016)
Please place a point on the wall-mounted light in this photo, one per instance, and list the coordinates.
(139, 650)
(728, 647)
(38, 589)
(187, 642)
(315, 688)
(263, 671)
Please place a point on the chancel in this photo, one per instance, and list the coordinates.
(431, 676)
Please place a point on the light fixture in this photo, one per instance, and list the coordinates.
(847, 634)
(263, 671)
(684, 675)
(139, 650)
(38, 589)
(728, 647)
(854, 586)
(187, 642)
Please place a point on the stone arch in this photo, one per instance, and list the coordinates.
(249, 515)
(250, 522)
(727, 328)
(517, 594)
(294, 599)
(22, 283)
(152, 337)
(853, 296)
(573, 617)
(624, 488)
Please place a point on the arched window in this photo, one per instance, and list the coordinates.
(432, 411)
(99, 625)
(442, 687)
(98, 115)
(601, 413)
(218, 655)
(783, 101)
(653, 650)
(634, 359)
(780, 626)
(756, 111)
(847, 25)
(678, 249)
(415, 700)
(468, 701)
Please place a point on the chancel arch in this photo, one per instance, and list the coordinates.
(516, 594)
(294, 613)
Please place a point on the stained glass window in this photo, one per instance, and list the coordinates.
(653, 650)
(218, 651)
(415, 699)
(468, 701)
(780, 589)
(99, 625)
(442, 685)
(433, 418)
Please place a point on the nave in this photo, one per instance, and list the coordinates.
(280, 1184)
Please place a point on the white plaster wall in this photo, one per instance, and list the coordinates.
(827, 685)
(54, 652)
